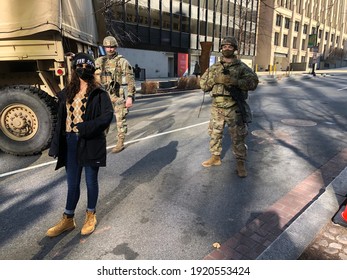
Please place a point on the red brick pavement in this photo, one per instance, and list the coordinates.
(257, 235)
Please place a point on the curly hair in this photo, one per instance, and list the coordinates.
(74, 86)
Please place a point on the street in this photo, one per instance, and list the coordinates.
(156, 201)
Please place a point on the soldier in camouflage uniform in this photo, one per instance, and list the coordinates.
(112, 68)
(219, 79)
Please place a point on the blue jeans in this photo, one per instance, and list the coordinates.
(73, 173)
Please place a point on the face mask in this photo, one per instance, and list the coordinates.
(228, 53)
(111, 54)
(84, 74)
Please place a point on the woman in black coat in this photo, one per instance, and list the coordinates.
(85, 111)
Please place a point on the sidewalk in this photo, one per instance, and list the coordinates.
(304, 229)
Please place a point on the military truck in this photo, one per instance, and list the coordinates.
(37, 40)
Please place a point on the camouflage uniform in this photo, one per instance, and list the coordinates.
(113, 70)
(224, 108)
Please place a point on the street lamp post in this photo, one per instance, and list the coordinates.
(315, 50)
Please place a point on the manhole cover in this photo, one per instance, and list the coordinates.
(297, 122)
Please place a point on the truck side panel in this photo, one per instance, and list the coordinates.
(74, 18)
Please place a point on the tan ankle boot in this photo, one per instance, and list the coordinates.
(214, 160)
(65, 224)
(241, 169)
(119, 146)
(89, 224)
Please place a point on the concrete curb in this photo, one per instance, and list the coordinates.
(297, 237)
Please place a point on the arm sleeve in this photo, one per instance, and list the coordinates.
(249, 79)
(128, 72)
(207, 80)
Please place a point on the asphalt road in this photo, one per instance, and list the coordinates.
(156, 200)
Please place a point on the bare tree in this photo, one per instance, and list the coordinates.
(113, 26)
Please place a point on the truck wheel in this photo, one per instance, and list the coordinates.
(27, 120)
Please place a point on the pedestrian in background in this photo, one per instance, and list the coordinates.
(112, 68)
(226, 79)
(79, 141)
(197, 69)
(137, 71)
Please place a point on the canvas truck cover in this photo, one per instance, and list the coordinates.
(72, 18)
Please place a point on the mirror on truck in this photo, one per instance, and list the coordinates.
(101, 51)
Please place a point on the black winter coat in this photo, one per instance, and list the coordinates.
(91, 150)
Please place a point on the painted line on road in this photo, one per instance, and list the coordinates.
(342, 89)
(109, 147)
(160, 134)
(27, 168)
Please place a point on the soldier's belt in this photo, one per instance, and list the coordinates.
(221, 98)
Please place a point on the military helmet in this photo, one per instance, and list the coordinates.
(110, 41)
(230, 40)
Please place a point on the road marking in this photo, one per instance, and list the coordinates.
(342, 89)
(109, 147)
(27, 168)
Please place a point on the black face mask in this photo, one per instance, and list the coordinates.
(84, 74)
(228, 53)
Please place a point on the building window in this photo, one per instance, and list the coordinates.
(305, 29)
(295, 58)
(326, 35)
(285, 40)
(286, 23)
(296, 26)
(332, 38)
(277, 35)
(303, 59)
(337, 39)
(303, 45)
(320, 33)
(278, 20)
(295, 39)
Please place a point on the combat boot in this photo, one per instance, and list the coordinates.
(65, 224)
(241, 169)
(119, 146)
(89, 224)
(214, 160)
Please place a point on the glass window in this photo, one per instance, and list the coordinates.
(143, 15)
(277, 35)
(285, 40)
(287, 22)
(278, 20)
(303, 45)
(295, 39)
(296, 26)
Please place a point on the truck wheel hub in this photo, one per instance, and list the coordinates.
(19, 122)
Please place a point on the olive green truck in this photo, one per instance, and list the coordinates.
(37, 40)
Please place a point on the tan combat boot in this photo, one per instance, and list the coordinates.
(89, 224)
(119, 146)
(214, 160)
(241, 169)
(65, 224)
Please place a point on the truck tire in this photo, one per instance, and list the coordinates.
(27, 120)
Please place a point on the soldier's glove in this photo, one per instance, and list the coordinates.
(230, 81)
(219, 79)
(226, 80)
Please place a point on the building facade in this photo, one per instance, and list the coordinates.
(294, 34)
(167, 36)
